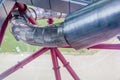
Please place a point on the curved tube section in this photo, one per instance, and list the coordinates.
(93, 24)
(39, 13)
(83, 28)
(51, 36)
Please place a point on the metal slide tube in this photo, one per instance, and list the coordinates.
(93, 24)
(83, 28)
(36, 35)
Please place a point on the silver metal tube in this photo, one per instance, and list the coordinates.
(51, 36)
(40, 13)
(93, 24)
(89, 26)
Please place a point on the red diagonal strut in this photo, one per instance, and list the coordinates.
(22, 63)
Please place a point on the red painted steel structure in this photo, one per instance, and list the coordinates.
(22, 63)
(56, 66)
(3, 29)
(55, 53)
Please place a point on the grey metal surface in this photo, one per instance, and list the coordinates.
(2, 16)
(41, 3)
(40, 13)
(65, 6)
(4, 10)
(56, 5)
(83, 28)
(1, 1)
(51, 36)
(80, 2)
(29, 2)
(9, 5)
(93, 24)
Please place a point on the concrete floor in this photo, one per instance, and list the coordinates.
(104, 65)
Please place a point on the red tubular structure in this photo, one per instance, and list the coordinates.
(55, 64)
(22, 63)
(3, 29)
(106, 46)
(55, 53)
(66, 64)
(23, 10)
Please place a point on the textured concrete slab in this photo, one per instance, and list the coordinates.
(104, 65)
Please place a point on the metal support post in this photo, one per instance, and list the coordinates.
(66, 64)
(55, 54)
(22, 63)
(55, 64)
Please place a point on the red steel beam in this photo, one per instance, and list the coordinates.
(66, 64)
(23, 10)
(56, 66)
(106, 46)
(22, 63)
(5, 24)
